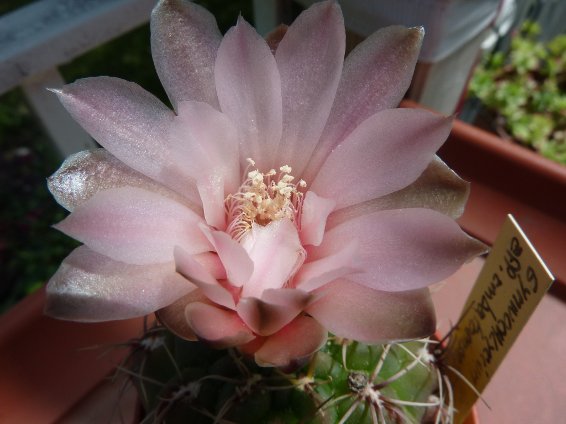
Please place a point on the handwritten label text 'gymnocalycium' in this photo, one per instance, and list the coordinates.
(509, 287)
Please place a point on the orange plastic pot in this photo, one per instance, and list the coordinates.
(47, 366)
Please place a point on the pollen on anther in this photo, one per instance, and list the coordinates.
(263, 198)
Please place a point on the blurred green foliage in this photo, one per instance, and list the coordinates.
(30, 250)
(526, 91)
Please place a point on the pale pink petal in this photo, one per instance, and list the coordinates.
(193, 270)
(297, 340)
(131, 124)
(211, 191)
(184, 41)
(356, 312)
(438, 188)
(86, 173)
(135, 226)
(375, 77)
(313, 218)
(276, 309)
(91, 287)
(205, 143)
(317, 273)
(212, 263)
(276, 252)
(173, 316)
(386, 153)
(310, 58)
(238, 265)
(217, 326)
(249, 92)
(402, 249)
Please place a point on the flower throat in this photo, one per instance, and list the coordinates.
(263, 198)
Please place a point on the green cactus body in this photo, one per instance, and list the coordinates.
(345, 382)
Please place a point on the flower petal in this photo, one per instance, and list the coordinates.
(249, 92)
(211, 191)
(217, 326)
(317, 273)
(212, 264)
(438, 188)
(313, 219)
(376, 75)
(86, 173)
(135, 226)
(193, 270)
(131, 124)
(402, 249)
(184, 41)
(386, 153)
(91, 287)
(173, 316)
(205, 143)
(298, 339)
(356, 312)
(310, 58)
(239, 267)
(276, 252)
(277, 308)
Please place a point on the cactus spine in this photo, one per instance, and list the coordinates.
(345, 382)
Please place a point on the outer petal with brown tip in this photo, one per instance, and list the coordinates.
(276, 309)
(84, 174)
(91, 287)
(356, 312)
(438, 188)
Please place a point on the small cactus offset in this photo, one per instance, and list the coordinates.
(345, 382)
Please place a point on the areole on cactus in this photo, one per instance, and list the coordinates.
(282, 198)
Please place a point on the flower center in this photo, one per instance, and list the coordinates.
(263, 198)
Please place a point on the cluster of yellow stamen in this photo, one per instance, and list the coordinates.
(263, 198)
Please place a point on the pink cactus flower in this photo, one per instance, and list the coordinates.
(283, 197)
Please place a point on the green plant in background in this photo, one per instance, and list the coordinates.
(526, 90)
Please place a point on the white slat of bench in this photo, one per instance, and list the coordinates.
(48, 33)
